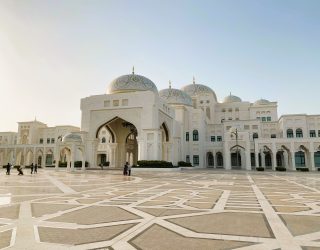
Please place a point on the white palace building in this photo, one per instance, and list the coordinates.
(134, 121)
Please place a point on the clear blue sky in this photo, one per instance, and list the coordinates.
(54, 52)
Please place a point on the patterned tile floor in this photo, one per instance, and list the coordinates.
(192, 209)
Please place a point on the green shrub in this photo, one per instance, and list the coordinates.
(281, 169)
(78, 164)
(62, 164)
(304, 169)
(155, 164)
(260, 168)
(106, 164)
(184, 164)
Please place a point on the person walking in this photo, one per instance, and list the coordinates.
(8, 167)
(31, 166)
(125, 169)
(19, 169)
(129, 169)
(35, 168)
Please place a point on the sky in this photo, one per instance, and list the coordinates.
(55, 52)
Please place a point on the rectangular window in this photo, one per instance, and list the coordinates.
(246, 127)
(269, 119)
(213, 138)
(41, 141)
(52, 140)
(318, 133)
(124, 102)
(188, 158)
(312, 133)
(107, 103)
(219, 138)
(115, 103)
(263, 119)
(187, 136)
(196, 160)
(273, 136)
(48, 140)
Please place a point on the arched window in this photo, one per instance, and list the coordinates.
(195, 135)
(103, 140)
(299, 132)
(289, 133)
(255, 136)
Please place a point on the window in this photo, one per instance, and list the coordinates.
(230, 119)
(273, 136)
(103, 140)
(223, 110)
(219, 138)
(299, 132)
(201, 102)
(246, 127)
(124, 102)
(213, 138)
(195, 135)
(312, 133)
(48, 140)
(269, 119)
(115, 103)
(318, 133)
(289, 133)
(188, 158)
(187, 136)
(263, 119)
(208, 101)
(230, 110)
(196, 160)
(255, 136)
(41, 141)
(237, 109)
(258, 118)
(107, 103)
(52, 140)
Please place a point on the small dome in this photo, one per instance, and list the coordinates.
(131, 83)
(198, 89)
(261, 102)
(72, 137)
(231, 98)
(175, 96)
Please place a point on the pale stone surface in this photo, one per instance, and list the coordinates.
(5, 238)
(112, 214)
(159, 238)
(95, 215)
(80, 236)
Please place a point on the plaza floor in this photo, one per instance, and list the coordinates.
(192, 209)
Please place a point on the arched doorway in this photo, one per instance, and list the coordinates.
(317, 159)
(280, 159)
(300, 159)
(121, 142)
(165, 142)
(268, 160)
(210, 160)
(219, 160)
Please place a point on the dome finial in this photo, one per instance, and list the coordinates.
(169, 84)
(194, 80)
(132, 70)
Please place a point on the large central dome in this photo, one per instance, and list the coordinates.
(131, 83)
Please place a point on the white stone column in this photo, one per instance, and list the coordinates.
(43, 161)
(248, 159)
(73, 152)
(227, 158)
(141, 149)
(113, 147)
(292, 152)
(312, 164)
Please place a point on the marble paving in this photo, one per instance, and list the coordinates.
(191, 209)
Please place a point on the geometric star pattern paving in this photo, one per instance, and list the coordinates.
(191, 209)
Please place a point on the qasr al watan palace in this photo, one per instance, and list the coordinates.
(135, 121)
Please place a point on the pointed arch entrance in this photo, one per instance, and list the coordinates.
(120, 144)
